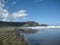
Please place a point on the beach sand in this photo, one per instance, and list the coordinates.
(10, 36)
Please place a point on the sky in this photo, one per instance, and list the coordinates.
(41, 11)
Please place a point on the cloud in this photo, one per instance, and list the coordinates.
(1, 5)
(6, 16)
(24, 18)
(21, 13)
(5, 20)
(14, 2)
(3, 12)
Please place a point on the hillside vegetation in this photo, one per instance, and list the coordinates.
(20, 24)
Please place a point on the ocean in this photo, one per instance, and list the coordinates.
(43, 37)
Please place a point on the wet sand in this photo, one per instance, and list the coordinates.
(10, 36)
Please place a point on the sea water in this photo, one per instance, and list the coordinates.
(44, 37)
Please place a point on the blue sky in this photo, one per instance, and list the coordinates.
(41, 11)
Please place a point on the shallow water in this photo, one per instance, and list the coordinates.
(43, 37)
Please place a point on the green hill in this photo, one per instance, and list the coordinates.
(20, 24)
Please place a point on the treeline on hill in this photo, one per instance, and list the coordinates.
(20, 24)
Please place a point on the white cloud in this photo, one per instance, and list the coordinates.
(5, 15)
(24, 18)
(1, 5)
(20, 13)
(5, 20)
(14, 2)
(3, 12)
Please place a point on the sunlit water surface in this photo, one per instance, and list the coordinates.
(43, 37)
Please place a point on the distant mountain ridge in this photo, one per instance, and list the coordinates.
(20, 24)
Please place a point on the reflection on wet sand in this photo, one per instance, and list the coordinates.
(28, 30)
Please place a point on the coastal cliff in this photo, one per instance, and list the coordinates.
(20, 24)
